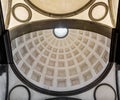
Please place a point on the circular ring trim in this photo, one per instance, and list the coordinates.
(24, 6)
(92, 8)
(29, 93)
(104, 84)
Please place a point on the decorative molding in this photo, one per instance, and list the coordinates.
(24, 6)
(23, 86)
(67, 23)
(104, 84)
(93, 7)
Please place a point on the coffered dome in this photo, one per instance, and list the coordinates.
(61, 64)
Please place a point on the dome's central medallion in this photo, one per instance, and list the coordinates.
(59, 7)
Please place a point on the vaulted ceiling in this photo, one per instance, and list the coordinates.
(60, 64)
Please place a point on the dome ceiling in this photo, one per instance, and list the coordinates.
(61, 64)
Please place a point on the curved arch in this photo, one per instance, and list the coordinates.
(66, 93)
(53, 14)
(64, 23)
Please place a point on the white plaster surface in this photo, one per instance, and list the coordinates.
(2, 86)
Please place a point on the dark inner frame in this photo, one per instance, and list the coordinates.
(65, 23)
